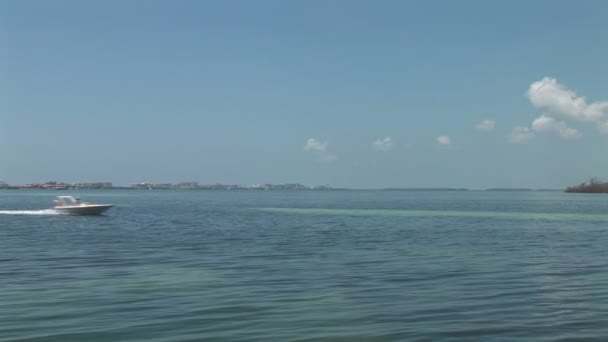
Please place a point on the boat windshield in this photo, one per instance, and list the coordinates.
(67, 200)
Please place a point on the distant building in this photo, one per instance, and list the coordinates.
(97, 185)
(187, 185)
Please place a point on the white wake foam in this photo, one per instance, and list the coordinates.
(30, 212)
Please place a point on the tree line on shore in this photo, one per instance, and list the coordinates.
(594, 185)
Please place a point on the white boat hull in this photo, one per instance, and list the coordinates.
(89, 209)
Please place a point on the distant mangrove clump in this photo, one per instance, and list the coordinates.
(594, 186)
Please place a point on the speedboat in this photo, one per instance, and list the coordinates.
(72, 206)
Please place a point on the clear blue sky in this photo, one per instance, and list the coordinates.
(298, 91)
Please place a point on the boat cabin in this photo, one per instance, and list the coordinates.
(66, 201)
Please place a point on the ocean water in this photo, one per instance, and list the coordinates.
(305, 266)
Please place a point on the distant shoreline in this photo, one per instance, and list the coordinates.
(53, 185)
(24, 188)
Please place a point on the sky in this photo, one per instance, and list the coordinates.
(348, 93)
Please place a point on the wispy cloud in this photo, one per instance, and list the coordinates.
(319, 149)
(486, 125)
(313, 145)
(520, 135)
(383, 144)
(603, 127)
(444, 140)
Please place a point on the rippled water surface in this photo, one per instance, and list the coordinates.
(305, 266)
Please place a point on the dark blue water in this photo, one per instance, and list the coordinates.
(305, 266)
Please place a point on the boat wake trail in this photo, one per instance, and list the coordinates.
(30, 212)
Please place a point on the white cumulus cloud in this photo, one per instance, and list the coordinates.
(556, 100)
(319, 149)
(560, 106)
(486, 125)
(383, 144)
(444, 140)
(520, 135)
(548, 124)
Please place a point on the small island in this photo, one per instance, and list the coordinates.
(595, 185)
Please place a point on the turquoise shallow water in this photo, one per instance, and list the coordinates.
(305, 266)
